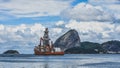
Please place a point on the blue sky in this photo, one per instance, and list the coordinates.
(22, 22)
(11, 19)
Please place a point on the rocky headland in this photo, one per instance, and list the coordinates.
(70, 43)
(68, 40)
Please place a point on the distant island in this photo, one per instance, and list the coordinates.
(11, 52)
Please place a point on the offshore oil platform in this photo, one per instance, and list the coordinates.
(46, 47)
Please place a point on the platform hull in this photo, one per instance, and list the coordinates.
(48, 53)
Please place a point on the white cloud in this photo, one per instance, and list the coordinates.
(103, 1)
(26, 36)
(21, 36)
(60, 23)
(93, 21)
(1, 27)
(2, 41)
(112, 6)
(94, 31)
(87, 12)
(57, 30)
(31, 8)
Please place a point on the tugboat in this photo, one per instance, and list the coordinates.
(46, 47)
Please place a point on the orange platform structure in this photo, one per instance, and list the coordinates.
(46, 47)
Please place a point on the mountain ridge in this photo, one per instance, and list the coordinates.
(85, 47)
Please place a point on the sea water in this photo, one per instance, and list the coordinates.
(66, 61)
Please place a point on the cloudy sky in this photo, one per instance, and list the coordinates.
(22, 21)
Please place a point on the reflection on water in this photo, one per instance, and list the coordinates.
(66, 61)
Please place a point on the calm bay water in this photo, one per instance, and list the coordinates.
(66, 61)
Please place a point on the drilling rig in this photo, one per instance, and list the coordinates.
(46, 46)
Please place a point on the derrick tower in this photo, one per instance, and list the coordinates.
(46, 37)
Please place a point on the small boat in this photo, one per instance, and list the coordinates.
(46, 47)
